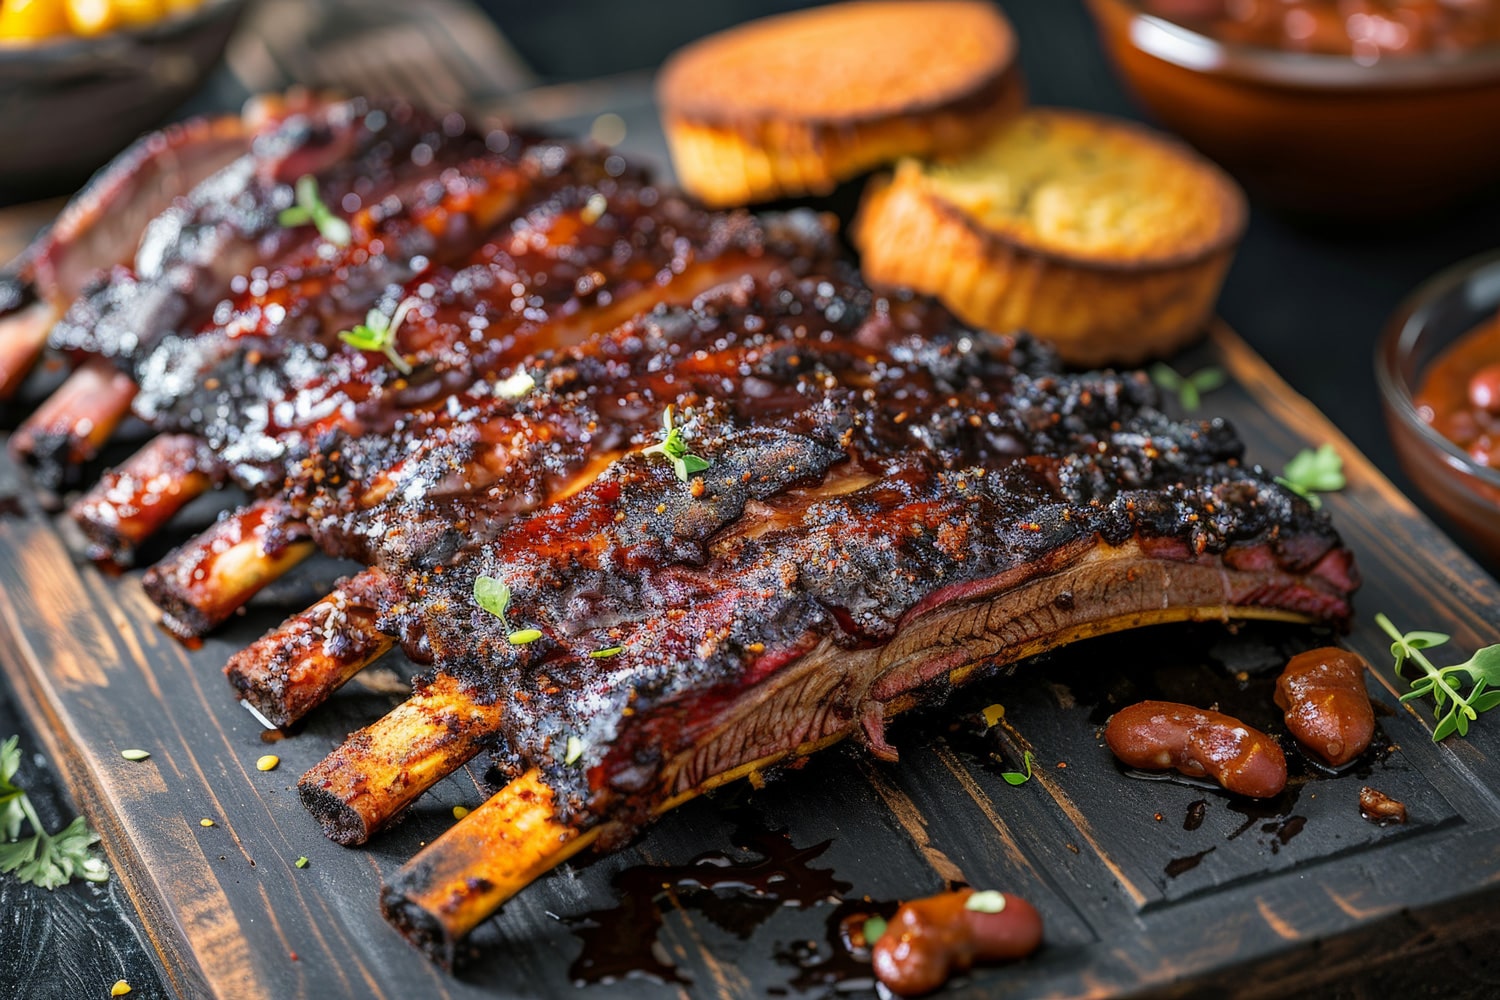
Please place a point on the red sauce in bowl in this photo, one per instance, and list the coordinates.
(1365, 30)
(1459, 394)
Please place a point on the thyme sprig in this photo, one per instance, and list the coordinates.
(1455, 708)
(1189, 389)
(43, 859)
(674, 449)
(1312, 472)
(309, 208)
(378, 333)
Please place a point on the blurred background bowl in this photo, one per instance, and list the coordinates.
(1450, 305)
(68, 104)
(1320, 135)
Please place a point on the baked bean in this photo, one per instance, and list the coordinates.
(1322, 692)
(1162, 735)
(930, 939)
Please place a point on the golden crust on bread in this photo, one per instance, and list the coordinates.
(794, 104)
(1100, 236)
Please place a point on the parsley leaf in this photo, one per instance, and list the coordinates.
(674, 449)
(11, 814)
(378, 333)
(1312, 472)
(309, 208)
(1189, 388)
(43, 859)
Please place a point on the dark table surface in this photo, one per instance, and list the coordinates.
(1311, 300)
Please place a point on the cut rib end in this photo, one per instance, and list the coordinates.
(340, 821)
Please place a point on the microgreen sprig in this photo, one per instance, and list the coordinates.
(494, 597)
(378, 333)
(309, 208)
(1016, 777)
(1190, 389)
(1312, 472)
(1455, 709)
(674, 449)
(43, 859)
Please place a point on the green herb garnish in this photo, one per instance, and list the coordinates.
(378, 333)
(601, 654)
(1189, 388)
(310, 209)
(1312, 472)
(575, 750)
(873, 930)
(494, 597)
(988, 901)
(674, 449)
(1016, 777)
(43, 859)
(1455, 709)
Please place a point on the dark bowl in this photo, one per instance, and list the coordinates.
(67, 106)
(1320, 135)
(1450, 305)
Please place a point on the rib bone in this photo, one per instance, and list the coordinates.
(131, 502)
(380, 770)
(201, 583)
(307, 658)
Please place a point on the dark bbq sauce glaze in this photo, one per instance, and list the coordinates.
(1459, 394)
(1365, 30)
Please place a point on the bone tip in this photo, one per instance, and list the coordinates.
(179, 616)
(341, 823)
(416, 923)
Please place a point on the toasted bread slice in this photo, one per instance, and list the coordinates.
(794, 104)
(1101, 236)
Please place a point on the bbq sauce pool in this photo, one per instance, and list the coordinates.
(737, 890)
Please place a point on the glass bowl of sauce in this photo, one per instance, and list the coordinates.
(1438, 368)
(1365, 109)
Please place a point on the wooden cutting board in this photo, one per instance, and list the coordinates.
(1301, 892)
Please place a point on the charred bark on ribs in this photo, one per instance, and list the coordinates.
(892, 500)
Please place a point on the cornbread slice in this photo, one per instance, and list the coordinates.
(796, 103)
(1101, 236)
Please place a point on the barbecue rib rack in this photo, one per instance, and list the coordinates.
(658, 497)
